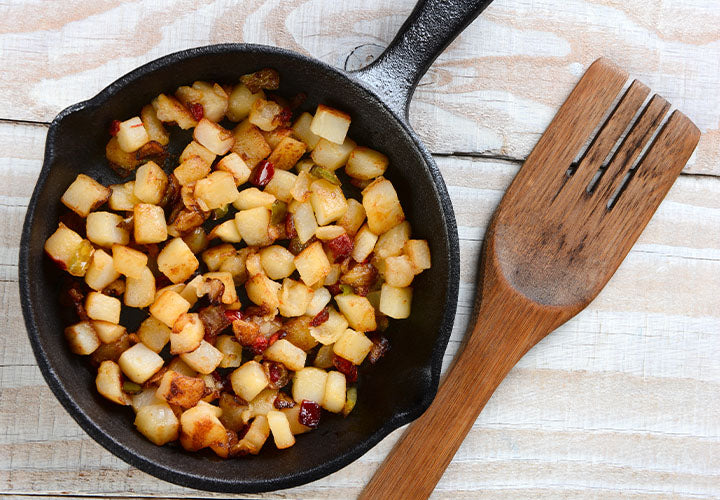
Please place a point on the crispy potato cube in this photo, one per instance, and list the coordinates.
(84, 195)
(150, 183)
(211, 96)
(102, 307)
(329, 331)
(132, 135)
(382, 206)
(227, 232)
(418, 252)
(335, 390)
(149, 224)
(298, 332)
(281, 185)
(392, 242)
(158, 423)
(128, 261)
(353, 218)
(177, 288)
(366, 164)
(332, 156)
(101, 271)
(200, 427)
(280, 428)
(154, 333)
(139, 363)
(229, 295)
(359, 312)
(117, 157)
(312, 264)
(62, 246)
(216, 190)
(82, 338)
(309, 383)
(214, 137)
(275, 137)
(248, 380)
(144, 398)
(255, 437)
(301, 189)
(204, 359)
(176, 261)
(304, 221)
(140, 292)
(321, 297)
(330, 123)
(187, 333)
(236, 166)
(102, 229)
(263, 291)
(399, 271)
(353, 346)
(253, 225)
(364, 243)
(287, 153)
(231, 351)
(250, 144)
(122, 197)
(180, 390)
(154, 127)
(241, 101)
(286, 353)
(294, 298)
(169, 110)
(197, 149)
(334, 274)
(191, 170)
(301, 128)
(253, 198)
(328, 201)
(168, 307)
(214, 257)
(109, 382)
(277, 262)
(395, 302)
(326, 233)
(292, 414)
(265, 114)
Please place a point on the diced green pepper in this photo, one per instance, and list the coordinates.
(80, 261)
(131, 387)
(278, 211)
(347, 289)
(350, 401)
(221, 212)
(326, 174)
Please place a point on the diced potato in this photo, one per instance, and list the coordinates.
(231, 351)
(364, 244)
(212, 98)
(236, 166)
(102, 307)
(253, 198)
(253, 225)
(330, 123)
(292, 414)
(287, 153)
(395, 302)
(335, 387)
(321, 297)
(158, 423)
(191, 170)
(294, 298)
(216, 190)
(119, 158)
(281, 185)
(353, 218)
(263, 291)
(277, 262)
(187, 334)
(324, 357)
(329, 331)
(227, 232)
(399, 271)
(214, 257)
(149, 224)
(108, 332)
(169, 110)
(82, 338)
(150, 183)
(140, 292)
(255, 437)
(359, 312)
(366, 164)
(332, 156)
(214, 137)
(235, 265)
(128, 261)
(301, 128)
(326, 233)
(275, 137)
(286, 353)
(144, 398)
(418, 252)
(353, 346)
(253, 264)
(200, 427)
(382, 206)
(180, 390)
(176, 261)
(139, 363)
(265, 114)
(301, 189)
(154, 333)
(280, 428)
(102, 229)
(132, 134)
(168, 307)
(109, 382)
(101, 271)
(250, 144)
(333, 276)
(328, 201)
(392, 242)
(197, 149)
(122, 197)
(204, 359)
(309, 383)
(241, 101)
(304, 221)
(69, 250)
(177, 288)
(154, 127)
(312, 264)
(298, 332)
(248, 380)
(229, 293)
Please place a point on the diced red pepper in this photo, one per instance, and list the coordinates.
(259, 345)
(234, 315)
(114, 127)
(309, 414)
(381, 345)
(320, 317)
(262, 174)
(346, 367)
(285, 115)
(280, 334)
(341, 247)
(334, 289)
(290, 226)
(197, 111)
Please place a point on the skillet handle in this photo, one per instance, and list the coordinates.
(432, 25)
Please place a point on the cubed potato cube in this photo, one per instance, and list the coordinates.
(287, 153)
(214, 137)
(128, 261)
(236, 166)
(419, 253)
(227, 232)
(211, 96)
(330, 123)
(286, 353)
(294, 298)
(216, 190)
(392, 242)
(102, 307)
(320, 298)
(168, 307)
(109, 382)
(301, 189)
(229, 295)
(177, 288)
(364, 243)
(275, 137)
(335, 392)
(248, 380)
(154, 127)
(366, 164)
(253, 225)
(101, 271)
(170, 110)
(359, 312)
(280, 428)
(309, 384)
(353, 218)
(301, 128)
(214, 257)
(231, 351)
(191, 170)
(292, 414)
(332, 156)
(353, 346)
(176, 261)
(105, 229)
(281, 185)
(204, 359)
(253, 198)
(263, 291)
(150, 183)
(382, 206)
(266, 115)
(277, 262)
(158, 423)
(144, 398)
(132, 135)
(250, 144)
(122, 197)
(62, 246)
(328, 201)
(82, 338)
(312, 264)
(331, 330)
(200, 427)
(255, 437)
(241, 101)
(187, 333)
(399, 271)
(140, 292)
(334, 274)
(149, 224)
(117, 157)
(139, 363)
(304, 221)
(180, 390)
(197, 149)
(298, 332)
(327, 233)
(395, 302)
(154, 333)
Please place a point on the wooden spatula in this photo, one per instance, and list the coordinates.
(558, 235)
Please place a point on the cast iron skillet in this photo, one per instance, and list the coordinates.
(399, 388)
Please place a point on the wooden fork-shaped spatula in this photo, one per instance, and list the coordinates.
(559, 234)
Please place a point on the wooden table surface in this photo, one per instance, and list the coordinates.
(622, 401)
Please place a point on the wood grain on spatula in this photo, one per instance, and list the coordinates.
(558, 235)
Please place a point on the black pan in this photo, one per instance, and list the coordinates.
(395, 391)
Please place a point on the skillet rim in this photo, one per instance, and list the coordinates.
(183, 478)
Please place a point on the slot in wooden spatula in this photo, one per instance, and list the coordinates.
(558, 235)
